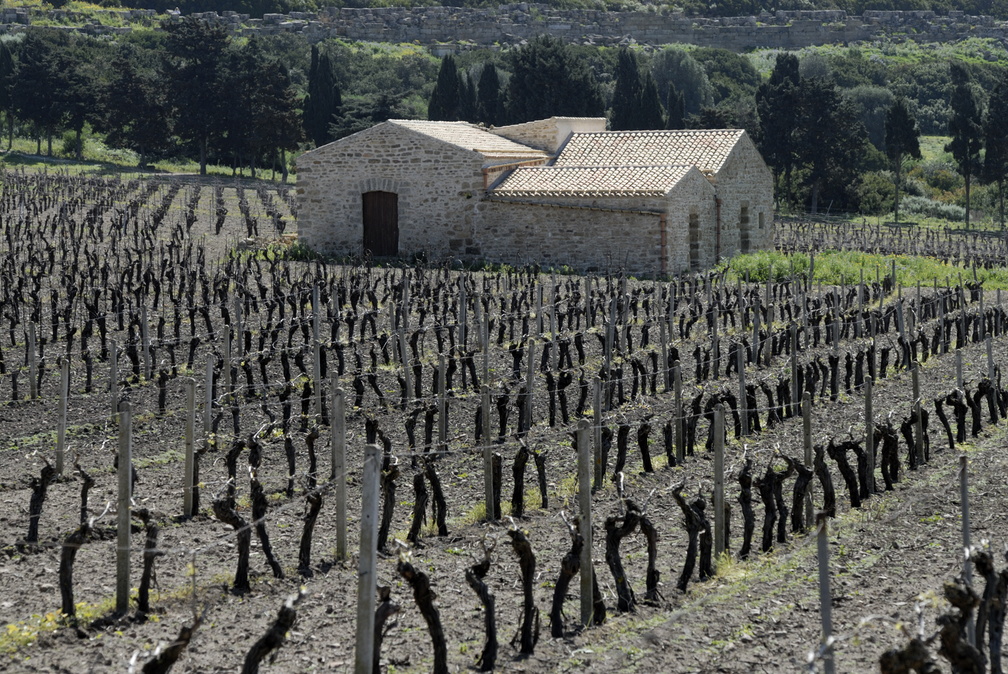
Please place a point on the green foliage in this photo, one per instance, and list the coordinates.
(731, 75)
(445, 101)
(674, 69)
(490, 97)
(901, 140)
(626, 95)
(995, 129)
(777, 103)
(875, 193)
(933, 208)
(835, 267)
(549, 79)
(324, 98)
(966, 129)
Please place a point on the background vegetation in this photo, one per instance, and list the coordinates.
(188, 95)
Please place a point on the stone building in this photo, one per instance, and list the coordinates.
(561, 191)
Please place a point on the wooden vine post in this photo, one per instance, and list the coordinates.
(145, 341)
(62, 422)
(316, 353)
(33, 364)
(188, 473)
(806, 411)
(529, 382)
(338, 462)
(795, 393)
(959, 368)
(486, 435)
(719, 518)
(919, 426)
(680, 431)
(584, 503)
(442, 402)
(113, 379)
(967, 564)
(869, 434)
(666, 372)
(825, 597)
(742, 399)
(367, 570)
(208, 400)
(123, 509)
(597, 431)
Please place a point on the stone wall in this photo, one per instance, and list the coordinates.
(438, 187)
(745, 181)
(510, 24)
(591, 234)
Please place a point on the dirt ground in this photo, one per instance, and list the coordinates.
(888, 559)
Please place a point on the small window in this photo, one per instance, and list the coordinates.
(761, 220)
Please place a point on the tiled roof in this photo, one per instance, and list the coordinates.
(590, 181)
(469, 137)
(706, 149)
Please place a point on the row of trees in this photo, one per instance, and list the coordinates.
(805, 124)
(822, 121)
(191, 88)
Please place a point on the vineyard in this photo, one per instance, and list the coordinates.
(189, 399)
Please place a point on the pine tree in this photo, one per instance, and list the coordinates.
(965, 126)
(323, 100)
(627, 93)
(445, 99)
(995, 126)
(901, 140)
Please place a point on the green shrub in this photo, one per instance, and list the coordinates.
(875, 193)
(932, 208)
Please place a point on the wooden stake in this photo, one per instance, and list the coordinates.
(113, 378)
(825, 597)
(967, 565)
(597, 431)
(919, 439)
(488, 485)
(145, 342)
(208, 399)
(806, 411)
(188, 473)
(743, 400)
(62, 422)
(680, 430)
(442, 402)
(316, 354)
(719, 521)
(338, 462)
(584, 502)
(33, 364)
(367, 570)
(959, 368)
(123, 509)
(869, 434)
(529, 384)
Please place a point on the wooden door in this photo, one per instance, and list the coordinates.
(381, 223)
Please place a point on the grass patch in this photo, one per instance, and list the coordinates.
(836, 267)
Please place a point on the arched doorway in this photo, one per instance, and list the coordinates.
(381, 223)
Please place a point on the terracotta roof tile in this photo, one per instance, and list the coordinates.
(706, 149)
(590, 181)
(470, 137)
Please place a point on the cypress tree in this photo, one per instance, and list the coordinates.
(650, 112)
(445, 99)
(627, 93)
(6, 85)
(490, 101)
(778, 105)
(965, 127)
(995, 126)
(675, 104)
(323, 100)
(901, 140)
